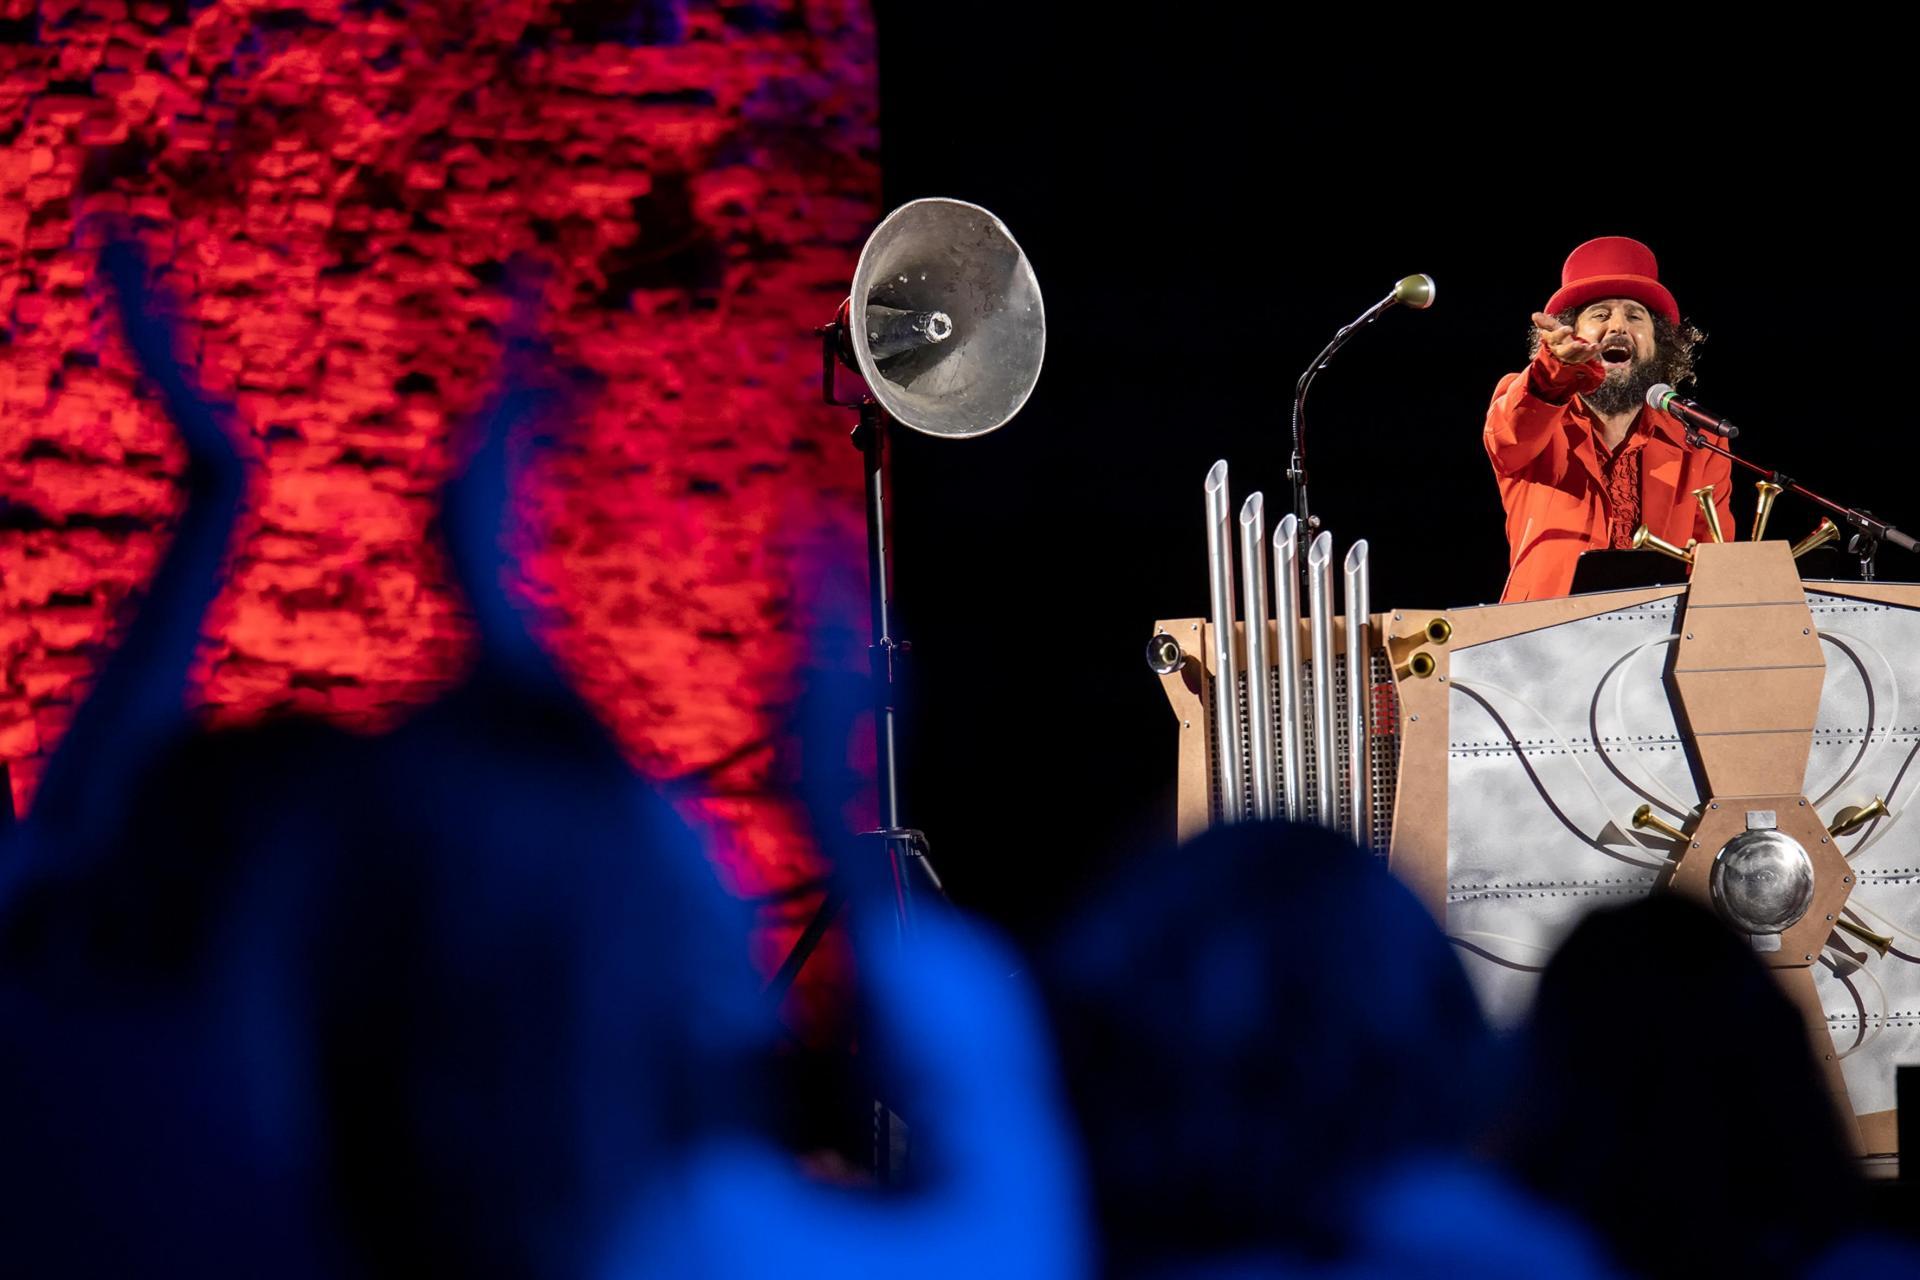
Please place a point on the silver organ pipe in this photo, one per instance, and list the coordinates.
(1320, 629)
(1253, 597)
(1359, 693)
(1292, 709)
(1226, 667)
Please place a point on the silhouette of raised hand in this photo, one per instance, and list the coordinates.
(477, 499)
(139, 696)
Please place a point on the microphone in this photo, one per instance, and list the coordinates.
(1666, 399)
(1414, 292)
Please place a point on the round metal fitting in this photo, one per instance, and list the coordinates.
(1164, 655)
(1762, 881)
(1439, 631)
(1422, 665)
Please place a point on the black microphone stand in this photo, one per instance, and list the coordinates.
(1871, 531)
(1416, 287)
(1297, 464)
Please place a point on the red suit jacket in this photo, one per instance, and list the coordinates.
(1542, 441)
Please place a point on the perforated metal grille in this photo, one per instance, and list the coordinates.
(1246, 752)
(1213, 753)
(1383, 748)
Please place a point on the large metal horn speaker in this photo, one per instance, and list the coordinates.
(944, 320)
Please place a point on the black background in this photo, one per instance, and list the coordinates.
(1204, 205)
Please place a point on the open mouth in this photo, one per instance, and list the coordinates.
(1617, 352)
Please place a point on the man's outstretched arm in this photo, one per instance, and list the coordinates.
(1529, 411)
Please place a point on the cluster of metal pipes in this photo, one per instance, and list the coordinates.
(1271, 780)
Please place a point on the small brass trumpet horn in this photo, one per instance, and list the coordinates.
(1704, 496)
(1644, 820)
(1644, 539)
(1764, 508)
(1820, 537)
(1878, 941)
(1852, 819)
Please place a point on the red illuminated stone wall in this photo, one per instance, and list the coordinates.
(335, 186)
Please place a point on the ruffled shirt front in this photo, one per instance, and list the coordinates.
(1620, 469)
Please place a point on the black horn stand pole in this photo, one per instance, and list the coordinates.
(905, 848)
(1870, 531)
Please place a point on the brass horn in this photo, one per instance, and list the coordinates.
(1820, 537)
(1852, 819)
(1764, 508)
(1644, 820)
(1704, 496)
(1878, 941)
(1644, 539)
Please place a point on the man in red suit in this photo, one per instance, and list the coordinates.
(1580, 458)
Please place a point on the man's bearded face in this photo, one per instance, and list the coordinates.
(1623, 330)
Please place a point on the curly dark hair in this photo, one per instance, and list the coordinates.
(1673, 345)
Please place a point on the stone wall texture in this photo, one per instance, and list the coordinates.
(335, 188)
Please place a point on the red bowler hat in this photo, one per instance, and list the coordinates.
(1612, 267)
